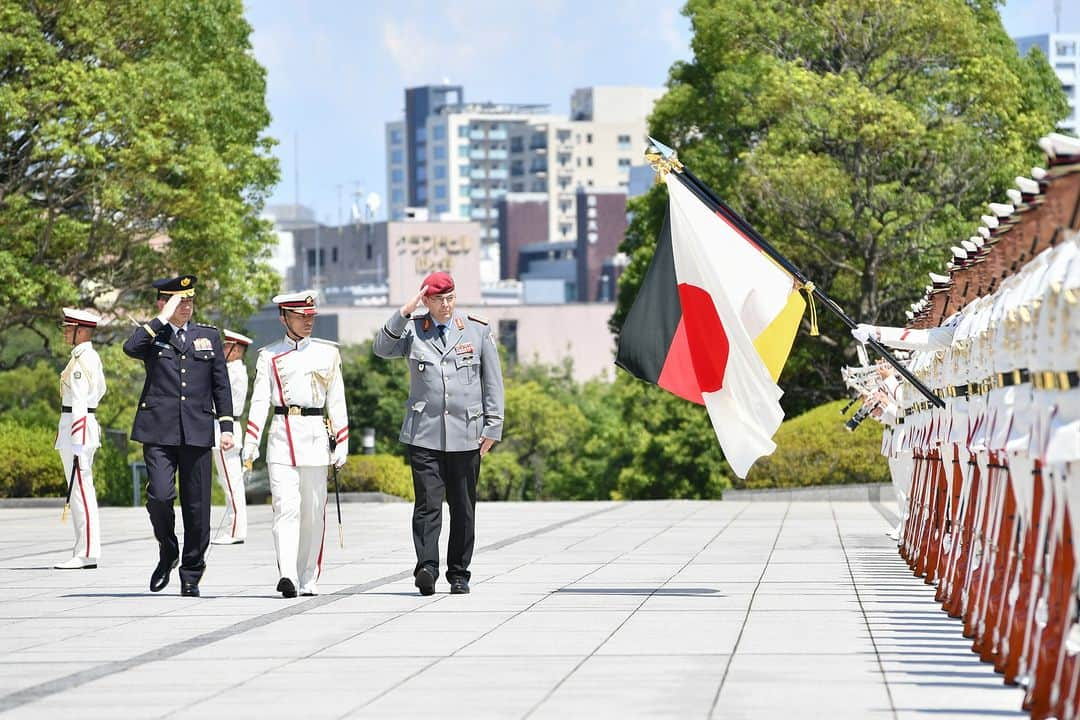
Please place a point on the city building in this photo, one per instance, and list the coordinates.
(523, 220)
(1062, 50)
(601, 225)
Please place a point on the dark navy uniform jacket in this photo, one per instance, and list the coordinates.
(187, 385)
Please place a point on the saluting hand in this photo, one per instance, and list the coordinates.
(170, 308)
(408, 308)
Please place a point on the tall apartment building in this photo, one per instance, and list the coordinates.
(1062, 50)
(459, 159)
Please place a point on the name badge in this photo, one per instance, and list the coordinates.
(203, 344)
(464, 349)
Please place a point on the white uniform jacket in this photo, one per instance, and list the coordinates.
(82, 385)
(238, 381)
(298, 376)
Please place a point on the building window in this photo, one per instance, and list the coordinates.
(421, 173)
(591, 212)
(333, 254)
(517, 187)
(311, 259)
(562, 136)
(1066, 49)
(367, 252)
(421, 134)
(591, 202)
(463, 189)
(395, 136)
(464, 209)
(439, 152)
(539, 186)
(397, 175)
(588, 137)
(588, 162)
(463, 131)
(397, 196)
(421, 194)
(463, 151)
(624, 142)
(440, 192)
(517, 144)
(624, 164)
(440, 172)
(593, 238)
(441, 208)
(463, 170)
(397, 156)
(438, 132)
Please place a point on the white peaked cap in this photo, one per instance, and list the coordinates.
(233, 336)
(910, 315)
(1015, 196)
(989, 221)
(969, 246)
(939, 279)
(959, 253)
(977, 241)
(1047, 146)
(85, 318)
(1038, 173)
(1002, 209)
(1027, 185)
(1063, 144)
(984, 231)
(304, 302)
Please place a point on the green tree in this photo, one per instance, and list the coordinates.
(375, 393)
(122, 121)
(860, 137)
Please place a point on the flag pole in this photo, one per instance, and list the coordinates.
(665, 160)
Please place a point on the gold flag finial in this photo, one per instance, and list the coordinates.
(662, 159)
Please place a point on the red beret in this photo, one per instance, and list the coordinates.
(438, 283)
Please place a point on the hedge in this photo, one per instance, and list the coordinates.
(29, 466)
(815, 449)
(376, 473)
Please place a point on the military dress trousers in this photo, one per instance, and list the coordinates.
(186, 390)
(455, 400)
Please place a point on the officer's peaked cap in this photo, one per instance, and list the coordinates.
(183, 286)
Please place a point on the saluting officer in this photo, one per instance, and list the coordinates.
(186, 383)
(230, 473)
(82, 384)
(453, 418)
(300, 376)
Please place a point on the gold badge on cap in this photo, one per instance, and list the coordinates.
(184, 282)
(309, 300)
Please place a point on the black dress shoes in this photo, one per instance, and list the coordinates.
(286, 588)
(459, 586)
(425, 581)
(189, 589)
(160, 577)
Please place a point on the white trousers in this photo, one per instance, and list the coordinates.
(84, 507)
(299, 500)
(230, 475)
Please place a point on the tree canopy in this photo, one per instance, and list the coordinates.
(862, 138)
(123, 122)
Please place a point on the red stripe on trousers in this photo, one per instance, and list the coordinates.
(86, 510)
(228, 484)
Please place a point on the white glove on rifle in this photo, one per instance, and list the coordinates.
(862, 332)
(250, 453)
(340, 455)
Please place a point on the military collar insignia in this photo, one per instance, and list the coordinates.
(459, 323)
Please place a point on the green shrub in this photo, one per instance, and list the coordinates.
(112, 475)
(29, 466)
(815, 449)
(500, 474)
(376, 473)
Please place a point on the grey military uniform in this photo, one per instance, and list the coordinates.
(455, 399)
(456, 385)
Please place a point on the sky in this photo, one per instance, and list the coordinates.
(337, 69)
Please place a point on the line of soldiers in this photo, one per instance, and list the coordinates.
(989, 486)
(195, 385)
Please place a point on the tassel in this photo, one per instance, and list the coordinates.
(808, 288)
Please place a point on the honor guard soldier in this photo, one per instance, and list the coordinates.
(453, 417)
(300, 377)
(230, 473)
(82, 384)
(186, 384)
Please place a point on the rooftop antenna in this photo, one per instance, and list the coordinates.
(1057, 15)
(296, 170)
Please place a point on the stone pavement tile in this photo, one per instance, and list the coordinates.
(803, 684)
(384, 641)
(30, 633)
(645, 686)
(806, 633)
(291, 637)
(620, 572)
(948, 685)
(673, 633)
(448, 619)
(715, 574)
(309, 688)
(550, 574)
(783, 555)
(815, 572)
(21, 674)
(530, 642)
(586, 598)
(474, 687)
(796, 601)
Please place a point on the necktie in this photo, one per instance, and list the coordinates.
(442, 335)
(181, 337)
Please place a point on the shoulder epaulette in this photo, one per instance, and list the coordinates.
(212, 327)
(476, 318)
(325, 342)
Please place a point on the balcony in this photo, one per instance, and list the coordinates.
(478, 193)
(497, 135)
(477, 174)
(476, 135)
(479, 213)
(498, 174)
(497, 155)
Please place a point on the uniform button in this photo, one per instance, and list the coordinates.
(183, 398)
(159, 353)
(183, 357)
(144, 404)
(183, 370)
(183, 384)
(446, 412)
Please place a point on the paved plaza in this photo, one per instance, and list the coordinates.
(641, 609)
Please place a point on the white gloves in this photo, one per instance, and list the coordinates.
(250, 453)
(170, 308)
(862, 332)
(227, 443)
(340, 455)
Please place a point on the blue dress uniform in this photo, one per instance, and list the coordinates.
(185, 393)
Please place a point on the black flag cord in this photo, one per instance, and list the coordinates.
(714, 203)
